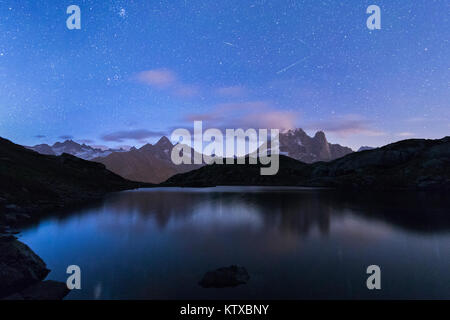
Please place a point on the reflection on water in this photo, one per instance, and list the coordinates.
(295, 243)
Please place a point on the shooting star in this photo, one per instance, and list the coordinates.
(229, 44)
(290, 66)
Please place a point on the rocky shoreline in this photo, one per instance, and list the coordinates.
(32, 186)
(22, 273)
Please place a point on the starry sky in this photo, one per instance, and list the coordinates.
(138, 69)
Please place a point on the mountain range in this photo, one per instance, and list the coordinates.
(82, 151)
(407, 164)
(32, 182)
(152, 163)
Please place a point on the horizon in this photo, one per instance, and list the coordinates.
(136, 71)
(156, 140)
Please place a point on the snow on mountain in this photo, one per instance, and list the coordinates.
(82, 151)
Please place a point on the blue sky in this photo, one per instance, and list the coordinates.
(138, 69)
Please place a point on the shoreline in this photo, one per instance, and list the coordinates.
(23, 274)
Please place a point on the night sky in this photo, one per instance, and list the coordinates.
(138, 69)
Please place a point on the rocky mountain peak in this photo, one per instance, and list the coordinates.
(67, 143)
(296, 144)
(68, 146)
(146, 147)
(295, 132)
(164, 142)
(320, 135)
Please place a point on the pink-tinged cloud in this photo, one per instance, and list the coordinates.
(282, 120)
(233, 91)
(136, 135)
(159, 78)
(166, 79)
(250, 114)
(348, 125)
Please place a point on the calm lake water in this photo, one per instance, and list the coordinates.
(295, 243)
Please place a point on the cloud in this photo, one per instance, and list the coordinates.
(347, 125)
(233, 91)
(137, 134)
(250, 114)
(271, 119)
(40, 136)
(66, 137)
(159, 78)
(166, 79)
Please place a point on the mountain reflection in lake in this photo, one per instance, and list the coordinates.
(295, 243)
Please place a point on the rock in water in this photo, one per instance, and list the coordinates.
(225, 277)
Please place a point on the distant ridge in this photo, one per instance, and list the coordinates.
(150, 163)
(82, 151)
(153, 164)
(32, 182)
(407, 164)
(365, 148)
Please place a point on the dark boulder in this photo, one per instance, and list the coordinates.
(20, 267)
